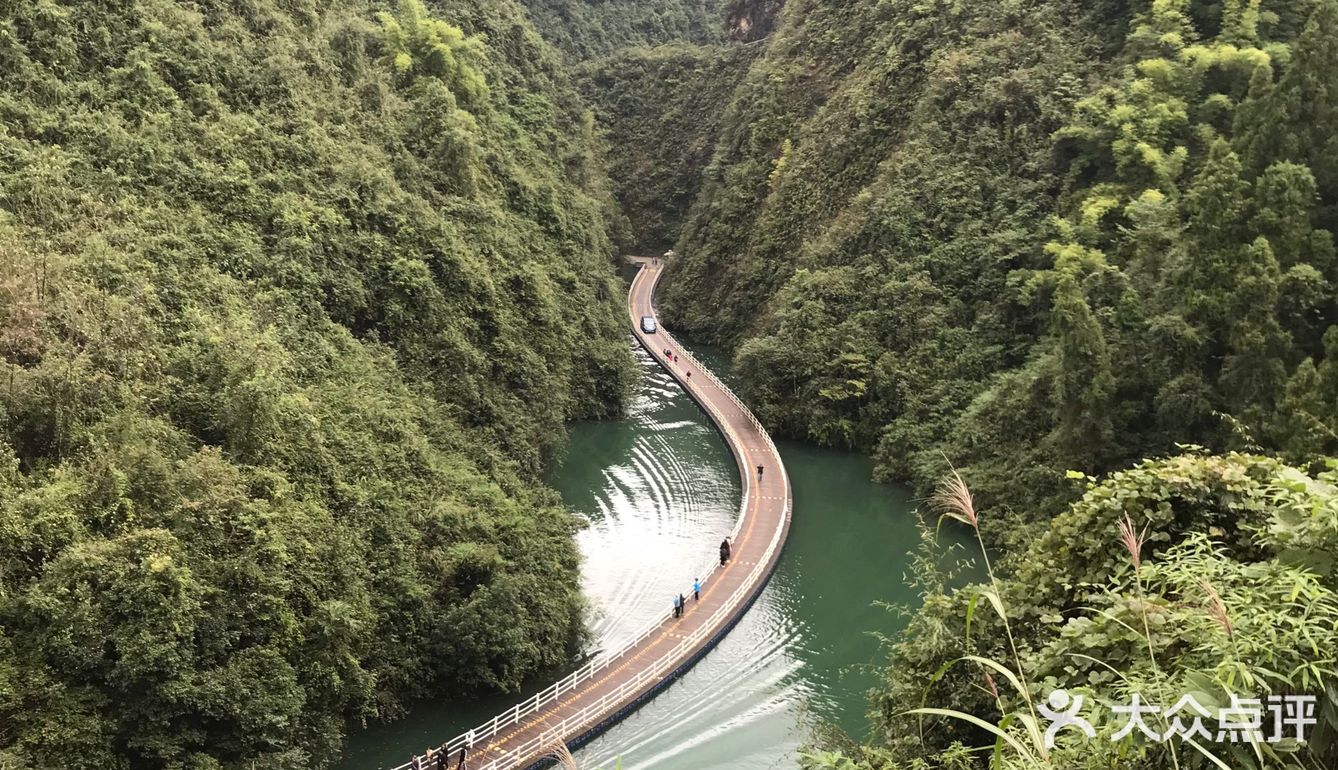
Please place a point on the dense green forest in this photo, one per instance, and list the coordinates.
(1028, 236)
(660, 109)
(295, 298)
(658, 78)
(590, 29)
(1040, 241)
(1195, 575)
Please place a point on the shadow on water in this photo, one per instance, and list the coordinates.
(659, 489)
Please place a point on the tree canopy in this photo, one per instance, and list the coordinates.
(1084, 253)
(1028, 237)
(295, 299)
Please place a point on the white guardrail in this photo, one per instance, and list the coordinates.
(612, 701)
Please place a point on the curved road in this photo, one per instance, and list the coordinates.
(614, 683)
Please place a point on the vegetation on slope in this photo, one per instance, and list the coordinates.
(1200, 575)
(294, 300)
(590, 29)
(658, 77)
(660, 110)
(1043, 236)
(1031, 236)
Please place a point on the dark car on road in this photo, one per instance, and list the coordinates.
(647, 324)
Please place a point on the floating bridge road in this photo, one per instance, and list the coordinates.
(614, 683)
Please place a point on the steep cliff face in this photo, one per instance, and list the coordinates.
(294, 301)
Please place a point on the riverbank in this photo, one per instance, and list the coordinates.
(659, 487)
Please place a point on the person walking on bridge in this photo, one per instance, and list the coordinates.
(464, 750)
(678, 606)
(759, 472)
(724, 552)
(696, 589)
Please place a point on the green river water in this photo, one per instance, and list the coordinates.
(660, 490)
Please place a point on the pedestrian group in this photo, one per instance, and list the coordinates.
(680, 608)
(437, 759)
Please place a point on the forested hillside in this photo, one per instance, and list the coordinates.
(294, 301)
(296, 297)
(658, 77)
(1030, 236)
(1199, 576)
(660, 112)
(1043, 241)
(589, 29)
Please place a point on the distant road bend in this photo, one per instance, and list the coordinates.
(614, 683)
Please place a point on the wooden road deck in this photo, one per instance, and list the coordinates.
(612, 685)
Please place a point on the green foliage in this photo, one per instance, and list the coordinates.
(658, 76)
(1028, 237)
(1226, 584)
(1085, 384)
(660, 109)
(294, 301)
(423, 47)
(587, 30)
(1311, 104)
